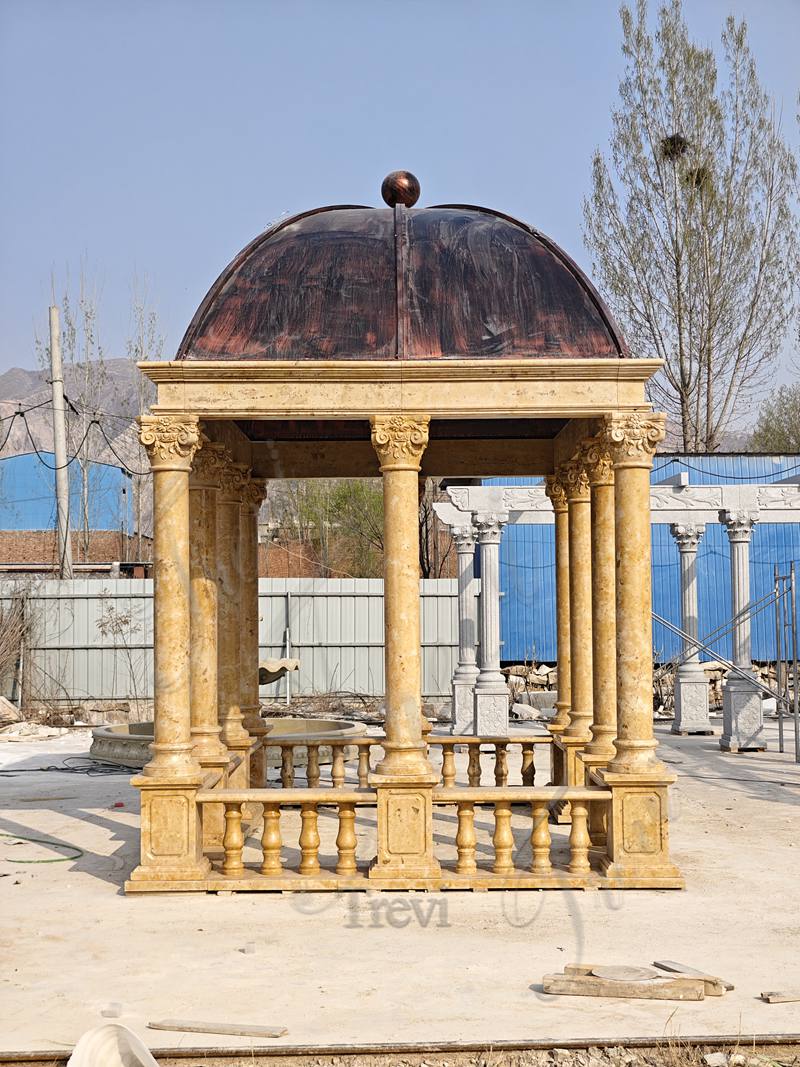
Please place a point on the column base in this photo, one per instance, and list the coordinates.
(463, 718)
(691, 703)
(637, 846)
(742, 718)
(491, 710)
(171, 838)
(405, 828)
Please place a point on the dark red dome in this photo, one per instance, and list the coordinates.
(400, 283)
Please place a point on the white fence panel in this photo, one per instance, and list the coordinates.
(92, 638)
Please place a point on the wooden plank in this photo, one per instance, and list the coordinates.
(229, 1029)
(579, 985)
(712, 982)
(781, 998)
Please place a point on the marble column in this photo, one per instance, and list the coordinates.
(691, 684)
(580, 599)
(171, 837)
(600, 469)
(250, 703)
(203, 492)
(554, 487)
(637, 844)
(236, 738)
(404, 778)
(742, 715)
(466, 672)
(491, 688)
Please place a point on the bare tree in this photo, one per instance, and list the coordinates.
(692, 224)
(145, 343)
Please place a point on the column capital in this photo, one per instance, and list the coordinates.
(233, 480)
(400, 440)
(464, 537)
(576, 480)
(489, 525)
(688, 535)
(208, 464)
(739, 524)
(170, 441)
(598, 461)
(556, 493)
(633, 437)
(254, 493)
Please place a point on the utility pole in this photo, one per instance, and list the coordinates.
(60, 448)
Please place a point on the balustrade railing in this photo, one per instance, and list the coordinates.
(475, 747)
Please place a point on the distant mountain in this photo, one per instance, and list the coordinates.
(117, 405)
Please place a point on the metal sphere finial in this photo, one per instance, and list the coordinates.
(400, 187)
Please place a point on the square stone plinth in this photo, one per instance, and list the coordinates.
(742, 718)
(463, 706)
(691, 705)
(491, 712)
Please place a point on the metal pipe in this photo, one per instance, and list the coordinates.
(778, 649)
(795, 687)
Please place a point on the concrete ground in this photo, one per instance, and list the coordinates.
(371, 968)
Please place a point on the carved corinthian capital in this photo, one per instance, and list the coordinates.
(489, 525)
(633, 438)
(254, 493)
(576, 480)
(554, 487)
(464, 538)
(598, 462)
(400, 440)
(233, 481)
(739, 524)
(209, 463)
(170, 441)
(688, 535)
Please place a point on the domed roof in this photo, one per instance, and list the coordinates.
(401, 283)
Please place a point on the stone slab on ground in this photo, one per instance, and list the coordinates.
(375, 968)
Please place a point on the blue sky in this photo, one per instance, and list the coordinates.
(155, 138)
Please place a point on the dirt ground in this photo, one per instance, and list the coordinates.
(369, 968)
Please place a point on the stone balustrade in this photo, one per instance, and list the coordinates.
(489, 854)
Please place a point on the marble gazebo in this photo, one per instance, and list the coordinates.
(400, 342)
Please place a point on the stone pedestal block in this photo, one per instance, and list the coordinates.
(464, 705)
(491, 712)
(691, 703)
(171, 844)
(405, 829)
(742, 717)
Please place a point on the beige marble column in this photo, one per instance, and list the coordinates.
(637, 840)
(236, 738)
(250, 704)
(554, 487)
(203, 493)
(171, 837)
(632, 441)
(604, 612)
(399, 442)
(576, 482)
(170, 444)
(404, 778)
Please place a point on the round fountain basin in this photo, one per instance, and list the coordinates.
(129, 745)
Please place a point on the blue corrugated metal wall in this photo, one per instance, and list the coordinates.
(527, 565)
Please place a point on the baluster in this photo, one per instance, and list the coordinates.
(287, 766)
(448, 766)
(501, 763)
(503, 839)
(337, 770)
(474, 765)
(363, 764)
(465, 838)
(579, 839)
(598, 824)
(312, 765)
(528, 769)
(233, 840)
(271, 840)
(540, 838)
(265, 764)
(309, 839)
(346, 840)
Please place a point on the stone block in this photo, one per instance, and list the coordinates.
(463, 707)
(691, 705)
(491, 713)
(742, 717)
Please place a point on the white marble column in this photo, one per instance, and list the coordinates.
(742, 718)
(466, 672)
(491, 690)
(691, 684)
